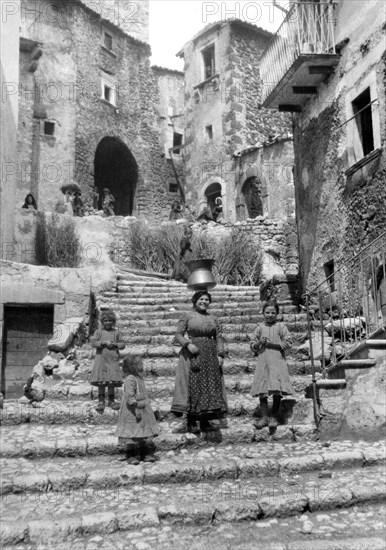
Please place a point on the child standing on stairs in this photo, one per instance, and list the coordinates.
(106, 371)
(137, 425)
(271, 373)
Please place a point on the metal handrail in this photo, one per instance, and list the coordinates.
(349, 306)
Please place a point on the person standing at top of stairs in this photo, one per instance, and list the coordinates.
(106, 371)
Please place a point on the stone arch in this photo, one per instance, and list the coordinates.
(252, 194)
(210, 190)
(116, 168)
(251, 191)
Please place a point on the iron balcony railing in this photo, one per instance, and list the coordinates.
(308, 28)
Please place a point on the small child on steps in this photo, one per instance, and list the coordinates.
(271, 372)
(137, 425)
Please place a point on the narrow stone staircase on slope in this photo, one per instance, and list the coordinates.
(148, 310)
(63, 478)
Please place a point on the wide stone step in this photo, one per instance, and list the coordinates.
(155, 284)
(76, 411)
(164, 366)
(157, 339)
(170, 299)
(226, 320)
(161, 310)
(60, 475)
(160, 387)
(43, 441)
(173, 515)
(376, 344)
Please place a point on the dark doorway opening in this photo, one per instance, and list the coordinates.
(252, 197)
(212, 193)
(116, 169)
(27, 330)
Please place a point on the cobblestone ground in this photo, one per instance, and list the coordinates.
(357, 528)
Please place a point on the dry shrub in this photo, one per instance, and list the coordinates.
(57, 244)
(238, 259)
(154, 249)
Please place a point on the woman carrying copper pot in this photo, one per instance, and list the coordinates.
(199, 391)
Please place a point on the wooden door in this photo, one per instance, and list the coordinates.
(27, 331)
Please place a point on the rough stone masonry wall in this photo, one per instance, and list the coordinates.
(135, 123)
(332, 208)
(277, 239)
(245, 49)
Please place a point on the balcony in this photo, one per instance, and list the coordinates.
(300, 56)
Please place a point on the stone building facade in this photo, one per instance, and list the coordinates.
(339, 131)
(87, 107)
(170, 112)
(222, 112)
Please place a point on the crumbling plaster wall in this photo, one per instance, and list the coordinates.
(341, 205)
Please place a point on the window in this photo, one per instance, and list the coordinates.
(49, 128)
(251, 191)
(329, 269)
(177, 140)
(173, 187)
(209, 132)
(109, 89)
(107, 40)
(362, 109)
(209, 62)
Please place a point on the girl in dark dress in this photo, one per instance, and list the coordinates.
(199, 388)
(106, 371)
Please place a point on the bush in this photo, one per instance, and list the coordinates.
(238, 259)
(57, 244)
(154, 249)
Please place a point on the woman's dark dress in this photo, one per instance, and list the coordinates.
(199, 387)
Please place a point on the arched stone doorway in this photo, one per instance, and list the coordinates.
(212, 192)
(251, 192)
(116, 168)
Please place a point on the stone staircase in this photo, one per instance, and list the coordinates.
(63, 478)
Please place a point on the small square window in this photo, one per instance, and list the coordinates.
(109, 89)
(49, 128)
(108, 40)
(209, 132)
(173, 187)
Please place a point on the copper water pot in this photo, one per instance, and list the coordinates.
(201, 276)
